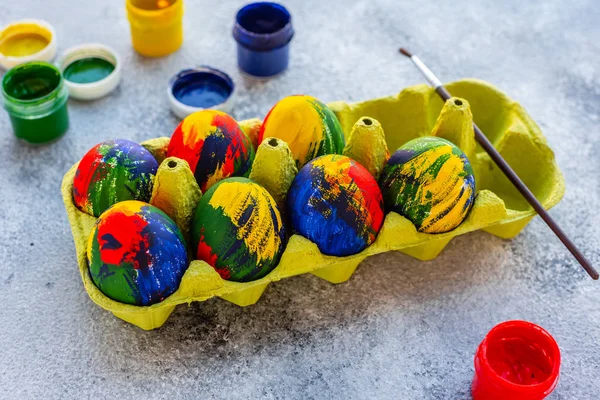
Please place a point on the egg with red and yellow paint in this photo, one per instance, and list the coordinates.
(136, 254)
(214, 146)
(237, 228)
(336, 203)
(113, 171)
(308, 126)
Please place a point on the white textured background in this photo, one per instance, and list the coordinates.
(399, 328)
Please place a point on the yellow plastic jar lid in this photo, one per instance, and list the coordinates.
(26, 40)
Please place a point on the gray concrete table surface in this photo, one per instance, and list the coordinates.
(399, 328)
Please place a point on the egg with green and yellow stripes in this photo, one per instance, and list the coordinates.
(429, 181)
(308, 126)
(238, 230)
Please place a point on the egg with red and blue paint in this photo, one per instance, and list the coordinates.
(214, 146)
(238, 229)
(113, 171)
(336, 203)
(136, 254)
(308, 126)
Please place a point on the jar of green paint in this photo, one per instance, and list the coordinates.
(35, 98)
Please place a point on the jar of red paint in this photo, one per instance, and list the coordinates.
(517, 360)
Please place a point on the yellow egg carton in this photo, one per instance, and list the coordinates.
(416, 111)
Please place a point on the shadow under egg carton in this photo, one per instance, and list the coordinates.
(416, 111)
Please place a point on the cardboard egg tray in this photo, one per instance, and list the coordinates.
(416, 111)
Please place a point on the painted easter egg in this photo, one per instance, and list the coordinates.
(136, 254)
(238, 229)
(430, 181)
(214, 146)
(113, 171)
(336, 203)
(308, 126)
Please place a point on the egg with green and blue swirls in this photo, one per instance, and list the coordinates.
(430, 181)
(113, 171)
(136, 254)
(308, 126)
(336, 203)
(237, 228)
(214, 146)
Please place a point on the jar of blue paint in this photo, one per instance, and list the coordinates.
(263, 32)
(200, 88)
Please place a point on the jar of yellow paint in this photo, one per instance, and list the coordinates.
(156, 26)
(26, 40)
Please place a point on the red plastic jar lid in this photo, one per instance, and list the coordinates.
(516, 360)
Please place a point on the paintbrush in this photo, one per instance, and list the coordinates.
(508, 171)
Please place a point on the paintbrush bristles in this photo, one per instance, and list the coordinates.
(405, 52)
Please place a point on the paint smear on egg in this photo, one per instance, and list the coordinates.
(136, 254)
(238, 230)
(430, 181)
(336, 203)
(214, 146)
(308, 127)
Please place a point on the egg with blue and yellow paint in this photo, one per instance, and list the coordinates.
(214, 146)
(238, 230)
(113, 171)
(430, 181)
(136, 254)
(336, 203)
(308, 126)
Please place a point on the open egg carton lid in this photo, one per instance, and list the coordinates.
(498, 209)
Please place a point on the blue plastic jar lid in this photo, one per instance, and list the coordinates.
(263, 26)
(199, 88)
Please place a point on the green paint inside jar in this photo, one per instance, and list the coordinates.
(35, 98)
(88, 70)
